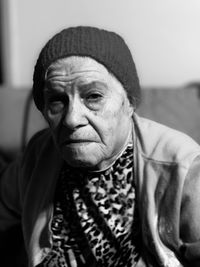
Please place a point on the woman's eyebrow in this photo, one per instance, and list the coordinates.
(51, 89)
(56, 86)
(93, 84)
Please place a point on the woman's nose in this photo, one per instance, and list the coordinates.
(75, 116)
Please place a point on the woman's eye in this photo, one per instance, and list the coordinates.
(94, 100)
(94, 97)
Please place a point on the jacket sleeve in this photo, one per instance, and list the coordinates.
(9, 196)
(13, 182)
(190, 215)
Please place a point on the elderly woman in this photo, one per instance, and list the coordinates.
(101, 186)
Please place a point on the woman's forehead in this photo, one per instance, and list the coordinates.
(74, 64)
(76, 69)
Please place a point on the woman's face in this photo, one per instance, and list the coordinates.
(88, 112)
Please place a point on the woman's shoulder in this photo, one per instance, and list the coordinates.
(38, 141)
(163, 143)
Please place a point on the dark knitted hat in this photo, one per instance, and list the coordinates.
(106, 47)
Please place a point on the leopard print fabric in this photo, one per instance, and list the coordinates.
(95, 220)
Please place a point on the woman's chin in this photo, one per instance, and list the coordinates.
(81, 158)
(81, 163)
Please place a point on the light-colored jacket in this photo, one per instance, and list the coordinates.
(167, 171)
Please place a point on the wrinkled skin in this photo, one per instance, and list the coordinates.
(88, 112)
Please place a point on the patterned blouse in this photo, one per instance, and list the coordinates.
(95, 221)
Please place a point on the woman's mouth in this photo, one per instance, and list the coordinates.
(76, 142)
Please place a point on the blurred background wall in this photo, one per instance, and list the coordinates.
(164, 38)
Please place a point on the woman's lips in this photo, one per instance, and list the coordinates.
(76, 141)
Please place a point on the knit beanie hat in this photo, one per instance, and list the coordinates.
(106, 47)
